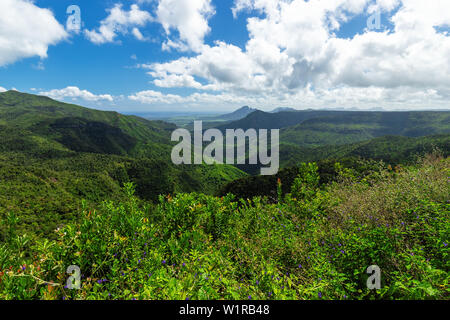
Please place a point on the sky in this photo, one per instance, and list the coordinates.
(142, 56)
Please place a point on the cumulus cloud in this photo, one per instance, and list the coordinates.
(150, 96)
(75, 93)
(195, 99)
(26, 31)
(293, 53)
(120, 21)
(400, 98)
(189, 18)
(223, 65)
(384, 5)
(3, 89)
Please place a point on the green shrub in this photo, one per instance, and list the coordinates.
(315, 243)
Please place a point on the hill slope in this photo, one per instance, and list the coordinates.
(391, 149)
(349, 127)
(265, 120)
(314, 128)
(315, 243)
(54, 154)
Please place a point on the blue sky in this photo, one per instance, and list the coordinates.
(210, 55)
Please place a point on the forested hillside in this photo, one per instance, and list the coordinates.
(98, 190)
(315, 242)
(359, 157)
(350, 127)
(312, 128)
(54, 154)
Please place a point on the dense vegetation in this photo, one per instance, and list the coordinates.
(98, 190)
(391, 149)
(313, 135)
(316, 127)
(253, 186)
(350, 127)
(315, 243)
(53, 155)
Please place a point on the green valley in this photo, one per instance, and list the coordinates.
(98, 190)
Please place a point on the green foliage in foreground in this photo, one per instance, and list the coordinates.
(46, 193)
(316, 243)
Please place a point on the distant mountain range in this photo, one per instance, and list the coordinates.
(282, 109)
(209, 120)
(42, 128)
(310, 135)
(54, 154)
(246, 110)
(309, 127)
(313, 135)
(238, 114)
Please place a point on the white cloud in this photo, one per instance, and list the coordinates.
(120, 21)
(3, 89)
(137, 34)
(222, 66)
(194, 100)
(75, 93)
(39, 66)
(175, 80)
(26, 31)
(150, 96)
(384, 5)
(189, 18)
(305, 98)
(293, 55)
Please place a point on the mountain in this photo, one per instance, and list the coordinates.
(41, 126)
(283, 109)
(236, 115)
(311, 135)
(50, 118)
(55, 154)
(349, 127)
(391, 149)
(209, 120)
(312, 128)
(265, 120)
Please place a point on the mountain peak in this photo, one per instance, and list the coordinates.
(282, 109)
(238, 114)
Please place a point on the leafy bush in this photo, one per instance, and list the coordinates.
(314, 243)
